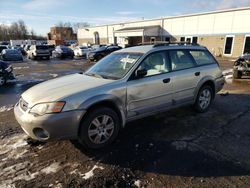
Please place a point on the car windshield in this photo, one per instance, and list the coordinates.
(101, 48)
(114, 66)
(65, 49)
(12, 52)
(83, 47)
(42, 47)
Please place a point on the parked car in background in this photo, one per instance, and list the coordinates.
(2, 47)
(38, 51)
(126, 85)
(101, 52)
(6, 43)
(11, 55)
(96, 46)
(81, 51)
(20, 49)
(6, 73)
(63, 52)
(26, 48)
(242, 66)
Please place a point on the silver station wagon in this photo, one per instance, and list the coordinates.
(126, 85)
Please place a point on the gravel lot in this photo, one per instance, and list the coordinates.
(178, 148)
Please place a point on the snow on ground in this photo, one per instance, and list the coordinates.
(53, 75)
(88, 174)
(227, 72)
(137, 183)
(18, 68)
(51, 169)
(16, 148)
(6, 108)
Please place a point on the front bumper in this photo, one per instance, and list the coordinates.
(62, 125)
(42, 55)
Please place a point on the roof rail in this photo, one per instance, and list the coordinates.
(175, 43)
(164, 43)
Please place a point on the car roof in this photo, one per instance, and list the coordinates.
(11, 50)
(156, 47)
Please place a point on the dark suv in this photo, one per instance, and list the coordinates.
(101, 52)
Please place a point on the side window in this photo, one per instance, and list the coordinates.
(181, 59)
(156, 63)
(202, 57)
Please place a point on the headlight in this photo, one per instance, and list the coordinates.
(47, 108)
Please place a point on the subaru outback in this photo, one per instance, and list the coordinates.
(126, 85)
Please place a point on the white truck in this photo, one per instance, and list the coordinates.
(22, 42)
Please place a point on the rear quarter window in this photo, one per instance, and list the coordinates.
(202, 57)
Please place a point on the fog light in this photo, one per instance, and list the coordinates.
(40, 133)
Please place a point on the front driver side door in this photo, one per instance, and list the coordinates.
(152, 92)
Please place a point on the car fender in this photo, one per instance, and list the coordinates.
(106, 98)
(200, 84)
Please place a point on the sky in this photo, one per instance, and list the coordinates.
(40, 15)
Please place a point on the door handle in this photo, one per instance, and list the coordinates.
(167, 80)
(197, 73)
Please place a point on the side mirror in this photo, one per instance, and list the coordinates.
(139, 73)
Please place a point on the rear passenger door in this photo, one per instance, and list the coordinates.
(186, 75)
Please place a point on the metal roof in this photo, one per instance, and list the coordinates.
(137, 28)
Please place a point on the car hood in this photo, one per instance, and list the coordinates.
(60, 88)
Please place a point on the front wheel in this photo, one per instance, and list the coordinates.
(204, 99)
(99, 128)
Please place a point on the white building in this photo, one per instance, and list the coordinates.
(225, 32)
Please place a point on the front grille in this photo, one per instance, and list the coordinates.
(23, 104)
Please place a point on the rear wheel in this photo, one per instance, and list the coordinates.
(99, 128)
(2, 81)
(204, 99)
(237, 74)
(33, 57)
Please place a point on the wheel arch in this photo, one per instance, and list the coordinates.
(206, 81)
(104, 101)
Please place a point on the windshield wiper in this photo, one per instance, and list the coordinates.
(93, 74)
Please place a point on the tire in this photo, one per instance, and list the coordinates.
(48, 57)
(92, 136)
(33, 57)
(237, 74)
(99, 57)
(2, 81)
(204, 99)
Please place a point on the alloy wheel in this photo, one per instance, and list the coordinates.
(101, 129)
(205, 98)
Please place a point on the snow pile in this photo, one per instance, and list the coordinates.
(18, 68)
(227, 72)
(88, 174)
(6, 108)
(53, 75)
(137, 183)
(51, 169)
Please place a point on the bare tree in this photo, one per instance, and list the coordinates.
(75, 26)
(17, 30)
(80, 25)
